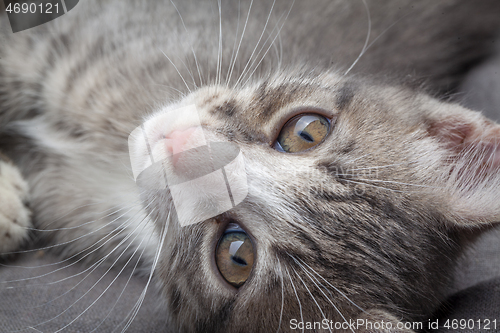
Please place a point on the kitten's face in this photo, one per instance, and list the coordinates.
(352, 221)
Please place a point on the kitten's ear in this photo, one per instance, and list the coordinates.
(469, 173)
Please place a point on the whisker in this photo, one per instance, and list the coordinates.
(282, 294)
(234, 45)
(80, 225)
(100, 261)
(367, 38)
(177, 70)
(73, 240)
(192, 49)
(109, 286)
(93, 267)
(312, 296)
(86, 255)
(188, 70)
(73, 210)
(380, 187)
(381, 166)
(277, 48)
(297, 296)
(122, 292)
(91, 288)
(314, 280)
(218, 73)
(239, 44)
(176, 90)
(332, 286)
(389, 182)
(272, 43)
(256, 45)
(246, 74)
(139, 302)
(384, 31)
(63, 260)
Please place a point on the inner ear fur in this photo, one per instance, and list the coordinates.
(469, 174)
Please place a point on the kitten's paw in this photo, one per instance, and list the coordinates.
(14, 214)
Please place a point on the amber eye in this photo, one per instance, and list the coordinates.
(302, 132)
(234, 255)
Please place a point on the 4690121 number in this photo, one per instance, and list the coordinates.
(471, 324)
(42, 8)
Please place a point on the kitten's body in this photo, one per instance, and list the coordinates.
(102, 69)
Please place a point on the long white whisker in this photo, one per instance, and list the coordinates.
(109, 286)
(297, 296)
(177, 70)
(256, 45)
(100, 261)
(70, 241)
(81, 224)
(74, 239)
(332, 286)
(314, 280)
(219, 50)
(381, 166)
(234, 45)
(239, 44)
(282, 294)
(123, 290)
(192, 49)
(111, 237)
(272, 43)
(169, 87)
(189, 71)
(277, 49)
(153, 267)
(385, 30)
(367, 38)
(312, 296)
(367, 184)
(73, 210)
(264, 43)
(92, 268)
(91, 288)
(389, 182)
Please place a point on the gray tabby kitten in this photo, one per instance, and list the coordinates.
(361, 189)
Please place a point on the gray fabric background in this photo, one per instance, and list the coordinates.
(40, 302)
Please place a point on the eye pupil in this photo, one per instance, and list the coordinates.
(239, 260)
(306, 136)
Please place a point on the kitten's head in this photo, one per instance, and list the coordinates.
(357, 197)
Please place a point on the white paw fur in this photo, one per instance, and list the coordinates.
(14, 215)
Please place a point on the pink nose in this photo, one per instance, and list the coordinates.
(176, 141)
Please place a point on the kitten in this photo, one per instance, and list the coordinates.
(354, 192)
